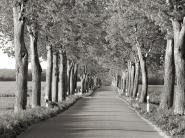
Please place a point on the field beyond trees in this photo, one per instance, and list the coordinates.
(10, 75)
(7, 95)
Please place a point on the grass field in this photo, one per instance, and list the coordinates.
(9, 87)
(7, 95)
(154, 92)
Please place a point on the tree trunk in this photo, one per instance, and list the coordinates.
(55, 78)
(169, 80)
(132, 80)
(84, 79)
(69, 65)
(95, 81)
(117, 81)
(91, 83)
(75, 76)
(62, 77)
(123, 83)
(99, 82)
(72, 80)
(83, 84)
(136, 80)
(49, 73)
(126, 82)
(87, 83)
(179, 43)
(144, 89)
(36, 68)
(21, 57)
(129, 78)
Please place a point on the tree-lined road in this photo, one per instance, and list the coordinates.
(102, 115)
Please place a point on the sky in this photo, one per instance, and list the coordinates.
(9, 63)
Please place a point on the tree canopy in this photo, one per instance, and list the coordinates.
(103, 31)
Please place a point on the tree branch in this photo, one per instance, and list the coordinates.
(21, 5)
(147, 53)
(176, 25)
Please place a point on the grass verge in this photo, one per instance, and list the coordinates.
(172, 125)
(14, 124)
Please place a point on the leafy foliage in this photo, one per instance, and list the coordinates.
(101, 32)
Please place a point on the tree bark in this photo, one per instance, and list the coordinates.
(144, 89)
(136, 80)
(117, 81)
(126, 81)
(123, 83)
(87, 83)
(49, 73)
(179, 44)
(83, 83)
(36, 68)
(72, 80)
(132, 80)
(69, 66)
(169, 78)
(21, 57)
(129, 78)
(62, 77)
(75, 76)
(55, 78)
(83, 80)
(96, 81)
(91, 83)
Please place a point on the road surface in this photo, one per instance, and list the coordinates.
(102, 115)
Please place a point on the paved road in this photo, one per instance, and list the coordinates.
(102, 115)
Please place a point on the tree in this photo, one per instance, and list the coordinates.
(136, 78)
(168, 94)
(55, 77)
(128, 22)
(75, 76)
(62, 76)
(144, 90)
(162, 13)
(179, 33)
(30, 18)
(71, 80)
(36, 67)
(129, 78)
(49, 73)
(132, 79)
(21, 56)
(124, 82)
